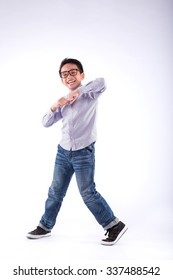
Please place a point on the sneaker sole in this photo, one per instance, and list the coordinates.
(30, 236)
(116, 240)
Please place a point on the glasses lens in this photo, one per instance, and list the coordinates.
(72, 72)
(64, 74)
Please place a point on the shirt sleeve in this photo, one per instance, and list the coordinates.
(93, 89)
(51, 117)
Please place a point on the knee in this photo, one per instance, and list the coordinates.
(89, 195)
(56, 192)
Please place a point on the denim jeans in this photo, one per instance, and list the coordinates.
(82, 163)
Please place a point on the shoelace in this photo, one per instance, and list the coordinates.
(111, 234)
(107, 232)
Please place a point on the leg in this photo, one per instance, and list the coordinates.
(84, 165)
(63, 172)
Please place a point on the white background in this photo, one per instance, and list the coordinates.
(128, 43)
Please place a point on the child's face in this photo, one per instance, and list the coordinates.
(73, 79)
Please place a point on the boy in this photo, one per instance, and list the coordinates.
(76, 152)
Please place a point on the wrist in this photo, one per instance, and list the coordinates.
(53, 108)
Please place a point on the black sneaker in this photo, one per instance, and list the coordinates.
(114, 234)
(38, 233)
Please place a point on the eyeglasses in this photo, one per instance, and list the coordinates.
(72, 72)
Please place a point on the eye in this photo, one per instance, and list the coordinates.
(64, 75)
(73, 72)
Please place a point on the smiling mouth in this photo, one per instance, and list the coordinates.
(71, 82)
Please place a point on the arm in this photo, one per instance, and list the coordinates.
(91, 90)
(54, 114)
(51, 117)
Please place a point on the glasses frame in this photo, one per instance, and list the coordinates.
(67, 73)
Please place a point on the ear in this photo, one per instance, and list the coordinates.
(82, 75)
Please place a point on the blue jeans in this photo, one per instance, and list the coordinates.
(82, 163)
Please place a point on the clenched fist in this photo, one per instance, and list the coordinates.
(61, 102)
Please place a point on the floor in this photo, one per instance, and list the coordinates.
(144, 243)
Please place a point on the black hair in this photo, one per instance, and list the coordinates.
(71, 61)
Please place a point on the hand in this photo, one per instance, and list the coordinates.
(61, 102)
(73, 96)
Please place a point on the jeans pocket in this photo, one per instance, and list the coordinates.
(90, 148)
